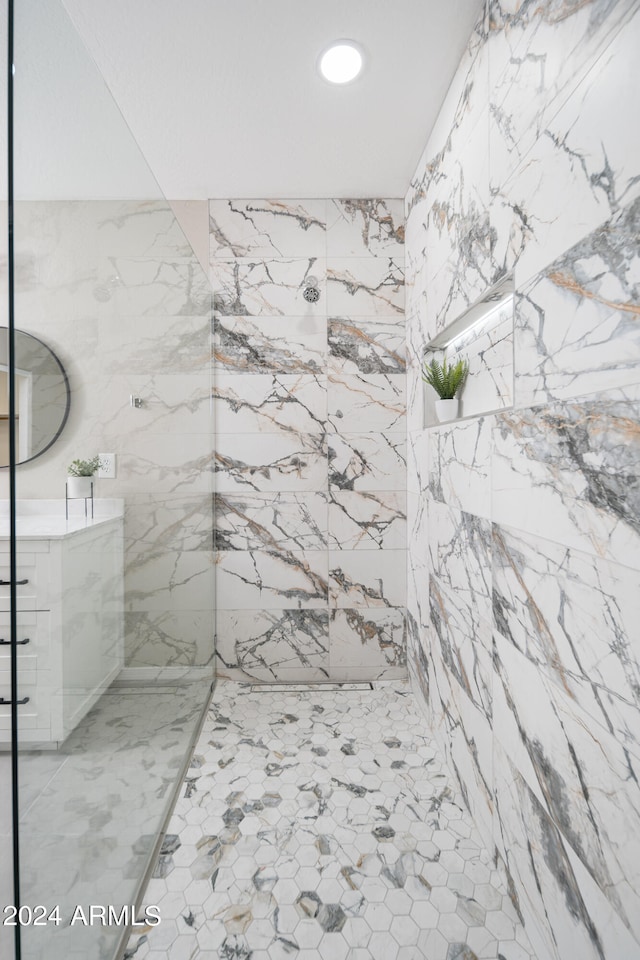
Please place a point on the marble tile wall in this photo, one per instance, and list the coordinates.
(524, 550)
(116, 290)
(310, 465)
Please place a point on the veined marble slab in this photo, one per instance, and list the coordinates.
(575, 617)
(371, 403)
(367, 461)
(267, 228)
(578, 322)
(360, 520)
(282, 403)
(365, 227)
(253, 521)
(290, 345)
(361, 286)
(460, 465)
(358, 345)
(568, 472)
(267, 287)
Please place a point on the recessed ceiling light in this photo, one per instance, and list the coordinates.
(341, 62)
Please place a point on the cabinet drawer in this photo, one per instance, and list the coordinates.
(33, 626)
(33, 566)
(33, 715)
(25, 592)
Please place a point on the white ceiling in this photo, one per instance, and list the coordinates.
(224, 98)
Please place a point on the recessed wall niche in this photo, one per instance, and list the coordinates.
(483, 335)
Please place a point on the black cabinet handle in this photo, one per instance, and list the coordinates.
(7, 583)
(9, 702)
(7, 643)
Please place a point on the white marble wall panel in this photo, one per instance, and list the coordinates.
(567, 472)
(554, 912)
(469, 737)
(145, 228)
(536, 58)
(527, 659)
(270, 645)
(117, 291)
(171, 404)
(267, 228)
(169, 580)
(458, 196)
(463, 646)
(460, 598)
(150, 344)
(464, 104)
(367, 461)
(581, 169)
(460, 465)
(269, 462)
(175, 581)
(367, 521)
(259, 521)
(374, 403)
(269, 288)
(575, 764)
(357, 345)
(157, 286)
(271, 579)
(310, 443)
(258, 345)
(418, 570)
(360, 286)
(578, 319)
(574, 616)
(368, 638)
(418, 472)
(183, 466)
(367, 578)
(291, 404)
(462, 279)
(360, 228)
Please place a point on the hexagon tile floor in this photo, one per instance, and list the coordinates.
(322, 825)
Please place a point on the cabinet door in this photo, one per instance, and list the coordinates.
(33, 588)
(36, 678)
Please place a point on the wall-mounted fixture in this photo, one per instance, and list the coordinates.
(342, 62)
(311, 293)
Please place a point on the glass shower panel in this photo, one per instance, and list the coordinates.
(115, 597)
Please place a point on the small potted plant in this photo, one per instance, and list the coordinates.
(447, 380)
(80, 477)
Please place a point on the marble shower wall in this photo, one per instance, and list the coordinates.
(309, 410)
(523, 600)
(115, 289)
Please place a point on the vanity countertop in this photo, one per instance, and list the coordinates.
(46, 519)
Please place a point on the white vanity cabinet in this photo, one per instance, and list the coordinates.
(70, 622)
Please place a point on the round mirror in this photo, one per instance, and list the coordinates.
(42, 397)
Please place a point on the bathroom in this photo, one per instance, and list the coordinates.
(312, 673)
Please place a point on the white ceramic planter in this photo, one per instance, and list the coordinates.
(447, 409)
(79, 487)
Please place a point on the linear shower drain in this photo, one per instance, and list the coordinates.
(307, 687)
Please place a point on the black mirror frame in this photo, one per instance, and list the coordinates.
(65, 416)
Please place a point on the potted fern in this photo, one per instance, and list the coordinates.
(80, 474)
(447, 380)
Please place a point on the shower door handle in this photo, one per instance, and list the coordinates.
(7, 583)
(18, 702)
(7, 643)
